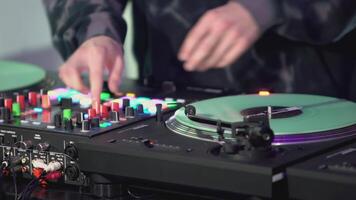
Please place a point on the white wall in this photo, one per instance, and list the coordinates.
(23, 26)
(25, 35)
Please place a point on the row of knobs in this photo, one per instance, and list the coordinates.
(9, 107)
(112, 114)
(44, 146)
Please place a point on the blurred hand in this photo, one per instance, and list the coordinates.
(95, 55)
(219, 38)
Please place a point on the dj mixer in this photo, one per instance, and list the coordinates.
(192, 143)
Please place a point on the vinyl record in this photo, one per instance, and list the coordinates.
(312, 118)
(16, 75)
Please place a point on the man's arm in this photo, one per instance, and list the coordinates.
(75, 21)
(310, 21)
(223, 34)
(89, 35)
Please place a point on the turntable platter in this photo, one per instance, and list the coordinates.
(318, 117)
(15, 75)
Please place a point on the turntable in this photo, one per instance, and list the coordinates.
(294, 118)
(16, 75)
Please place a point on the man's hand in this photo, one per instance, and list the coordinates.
(95, 55)
(219, 38)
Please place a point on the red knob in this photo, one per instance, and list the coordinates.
(91, 113)
(46, 103)
(21, 101)
(115, 106)
(8, 104)
(32, 98)
(104, 111)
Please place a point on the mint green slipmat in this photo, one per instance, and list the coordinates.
(319, 115)
(16, 75)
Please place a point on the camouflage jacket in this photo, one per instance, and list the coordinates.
(308, 45)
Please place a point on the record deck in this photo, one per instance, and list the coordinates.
(294, 118)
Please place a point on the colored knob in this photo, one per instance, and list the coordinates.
(129, 112)
(45, 101)
(16, 110)
(139, 109)
(91, 113)
(68, 124)
(115, 106)
(5, 114)
(58, 120)
(125, 103)
(8, 104)
(114, 117)
(85, 126)
(104, 111)
(20, 99)
(104, 96)
(80, 117)
(46, 116)
(32, 98)
(2, 102)
(95, 122)
(67, 114)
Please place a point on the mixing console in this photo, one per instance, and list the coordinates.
(65, 110)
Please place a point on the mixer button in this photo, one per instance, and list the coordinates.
(85, 126)
(129, 112)
(114, 117)
(139, 109)
(115, 106)
(2, 102)
(58, 120)
(68, 124)
(16, 110)
(20, 99)
(32, 98)
(125, 103)
(79, 118)
(5, 115)
(104, 111)
(8, 104)
(67, 114)
(45, 100)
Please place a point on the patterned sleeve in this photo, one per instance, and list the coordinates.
(310, 21)
(74, 21)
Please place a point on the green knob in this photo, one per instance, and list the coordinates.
(104, 96)
(67, 114)
(16, 110)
